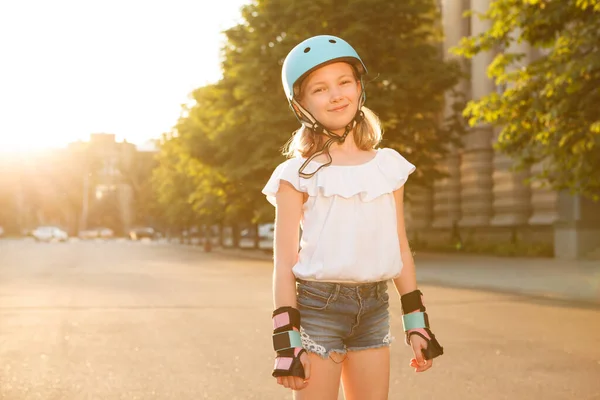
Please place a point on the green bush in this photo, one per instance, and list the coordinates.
(505, 249)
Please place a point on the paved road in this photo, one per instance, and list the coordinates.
(128, 320)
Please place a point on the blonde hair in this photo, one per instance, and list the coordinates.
(305, 142)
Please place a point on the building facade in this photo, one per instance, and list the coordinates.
(87, 185)
(482, 202)
(110, 197)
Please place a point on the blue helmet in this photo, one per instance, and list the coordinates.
(313, 53)
(301, 61)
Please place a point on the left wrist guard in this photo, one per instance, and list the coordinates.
(416, 322)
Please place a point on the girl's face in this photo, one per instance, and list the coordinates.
(331, 94)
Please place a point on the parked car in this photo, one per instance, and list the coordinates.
(106, 233)
(142, 233)
(49, 234)
(266, 234)
(97, 233)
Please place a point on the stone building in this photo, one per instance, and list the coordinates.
(107, 158)
(482, 201)
(86, 185)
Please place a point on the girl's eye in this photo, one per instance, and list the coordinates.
(317, 90)
(346, 81)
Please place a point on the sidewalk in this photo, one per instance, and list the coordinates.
(573, 281)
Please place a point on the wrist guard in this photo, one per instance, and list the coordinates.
(287, 342)
(416, 322)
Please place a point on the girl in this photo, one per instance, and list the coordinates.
(331, 317)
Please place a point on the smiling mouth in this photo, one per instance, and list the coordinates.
(339, 108)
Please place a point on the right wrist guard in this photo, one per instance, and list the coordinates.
(287, 342)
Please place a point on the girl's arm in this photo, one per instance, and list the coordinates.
(420, 338)
(287, 227)
(292, 367)
(407, 281)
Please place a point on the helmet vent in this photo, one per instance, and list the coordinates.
(332, 41)
(306, 50)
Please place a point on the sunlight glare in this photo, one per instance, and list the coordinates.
(125, 68)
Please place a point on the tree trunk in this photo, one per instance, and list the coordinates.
(235, 235)
(256, 237)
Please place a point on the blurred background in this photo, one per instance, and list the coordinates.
(167, 119)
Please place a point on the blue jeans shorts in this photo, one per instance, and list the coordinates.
(338, 317)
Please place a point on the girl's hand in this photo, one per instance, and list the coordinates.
(419, 363)
(295, 382)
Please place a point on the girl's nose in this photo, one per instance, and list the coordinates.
(335, 95)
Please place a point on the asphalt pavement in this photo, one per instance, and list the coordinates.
(145, 320)
(576, 281)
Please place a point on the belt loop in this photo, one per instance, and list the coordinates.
(336, 291)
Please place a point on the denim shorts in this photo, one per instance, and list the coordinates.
(338, 317)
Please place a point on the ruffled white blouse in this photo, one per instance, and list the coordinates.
(349, 226)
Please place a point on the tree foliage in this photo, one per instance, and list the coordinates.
(230, 139)
(136, 171)
(549, 110)
(173, 187)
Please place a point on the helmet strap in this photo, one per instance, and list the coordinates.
(318, 129)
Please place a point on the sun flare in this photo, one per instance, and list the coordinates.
(125, 68)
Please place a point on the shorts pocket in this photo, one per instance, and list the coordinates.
(384, 297)
(382, 293)
(312, 298)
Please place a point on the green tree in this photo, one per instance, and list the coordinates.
(137, 172)
(231, 137)
(205, 161)
(549, 110)
(398, 41)
(173, 187)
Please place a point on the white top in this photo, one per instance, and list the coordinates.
(349, 226)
